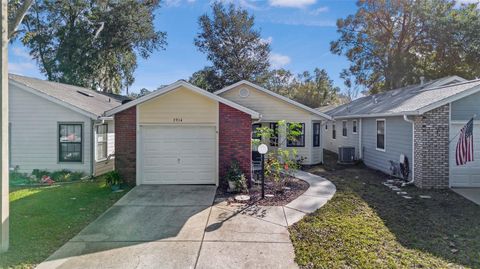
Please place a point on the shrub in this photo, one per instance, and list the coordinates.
(39, 173)
(113, 178)
(235, 175)
(17, 178)
(63, 175)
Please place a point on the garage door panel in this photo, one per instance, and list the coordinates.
(178, 154)
(467, 175)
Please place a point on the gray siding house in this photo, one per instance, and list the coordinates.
(55, 126)
(421, 122)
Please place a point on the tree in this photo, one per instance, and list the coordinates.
(142, 92)
(94, 44)
(391, 44)
(207, 79)
(234, 47)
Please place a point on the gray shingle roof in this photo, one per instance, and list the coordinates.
(409, 99)
(87, 100)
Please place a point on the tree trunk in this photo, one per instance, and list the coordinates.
(4, 203)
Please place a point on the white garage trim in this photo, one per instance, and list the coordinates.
(141, 154)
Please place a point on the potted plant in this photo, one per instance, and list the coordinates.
(237, 182)
(113, 180)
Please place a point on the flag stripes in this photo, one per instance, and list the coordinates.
(464, 151)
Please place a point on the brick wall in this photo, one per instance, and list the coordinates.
(125, 144)
(235, 129)
(431, 148)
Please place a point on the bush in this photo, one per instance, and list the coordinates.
(58, 176)
(113, 178)
(17, 178)
(235, 175)
(38, 173)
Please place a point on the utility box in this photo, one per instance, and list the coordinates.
(346, 154)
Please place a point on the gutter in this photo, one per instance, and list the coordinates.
(405, 118)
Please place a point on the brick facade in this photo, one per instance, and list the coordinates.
(431, 148)
(235, 129)
(126, 144)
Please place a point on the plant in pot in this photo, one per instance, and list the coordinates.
(113, 180)
(237, 182)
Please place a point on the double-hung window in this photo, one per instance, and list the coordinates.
(298, 141)
(102, 132)
(316, 134)
(255, 134)
(354, 126)
(381, 135)
(274, 137)
(344, 128)
(334, 132)
(70, 137)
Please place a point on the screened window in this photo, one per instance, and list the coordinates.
(334, 132)
(316, 134)
(102, 131)
(354, 127)
(381, 134)
(70, 142)
(299, 141)
(274, 138)
(255, 134)
(344, 128)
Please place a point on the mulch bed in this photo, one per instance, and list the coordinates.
(296, 188)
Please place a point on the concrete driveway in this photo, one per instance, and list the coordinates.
(173, 226)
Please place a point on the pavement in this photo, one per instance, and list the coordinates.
(182, 226)
(472, 194)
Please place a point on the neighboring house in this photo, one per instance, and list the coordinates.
(55, 126)
(421, 121)
(182, 134)
(273, 108)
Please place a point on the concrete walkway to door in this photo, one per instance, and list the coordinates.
(180, 226)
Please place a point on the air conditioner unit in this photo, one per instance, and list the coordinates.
(346, 154)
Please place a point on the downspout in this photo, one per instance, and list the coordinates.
(405, 117)
(360, 149)
(92, 149)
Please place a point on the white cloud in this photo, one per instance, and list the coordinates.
(291, 3)
(267, 40)
(319, 10)
(177, 3)
(278, 60)
(21, 68)
(247, 4)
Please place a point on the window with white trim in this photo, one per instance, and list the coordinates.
(274, 138)
(102, 139)
(344, 128)
(316, 134)
(354, 126)
(334, 132)
(70, 142)
(381, 135)
(298, 141)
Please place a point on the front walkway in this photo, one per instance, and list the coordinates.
(169, 226)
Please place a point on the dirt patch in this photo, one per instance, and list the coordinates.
(294, 188)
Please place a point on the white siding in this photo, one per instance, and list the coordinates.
(103, 166)
(273, 109)
(351, 140)
(34, 133)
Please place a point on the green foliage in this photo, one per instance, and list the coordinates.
(313, 90)
(18, 178)
(391, 44)
(93, 44)
(113, 178)
(233, 46)
(235, 175)
(63, 175)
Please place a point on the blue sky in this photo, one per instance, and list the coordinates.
(299, 32)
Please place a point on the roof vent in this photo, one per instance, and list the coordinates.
(85, 93)
(422, 80)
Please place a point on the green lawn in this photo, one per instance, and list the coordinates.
(43, 219)
(366, 225)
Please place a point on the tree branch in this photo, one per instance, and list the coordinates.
(20, 14)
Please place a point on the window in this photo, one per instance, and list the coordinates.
(344, 128)
(274, 138)
(255, 135)
(334, 132)
(326, 126)
(354, 127)
(316, 134)
(381, 135)
(299, 141)
(102, 131)
(70, 142)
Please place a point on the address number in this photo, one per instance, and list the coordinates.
(177, 119)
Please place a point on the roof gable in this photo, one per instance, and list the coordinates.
(186, 85)
(274, 95)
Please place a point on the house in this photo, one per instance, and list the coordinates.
(182, 134)
(421, 122)
(54, 126)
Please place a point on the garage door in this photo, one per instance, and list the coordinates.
(467, 175)
(178, 155)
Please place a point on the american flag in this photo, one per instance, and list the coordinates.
(464, 151)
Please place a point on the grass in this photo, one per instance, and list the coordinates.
(366, 225)
(44, 218)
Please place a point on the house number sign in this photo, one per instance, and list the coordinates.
(176, 120)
